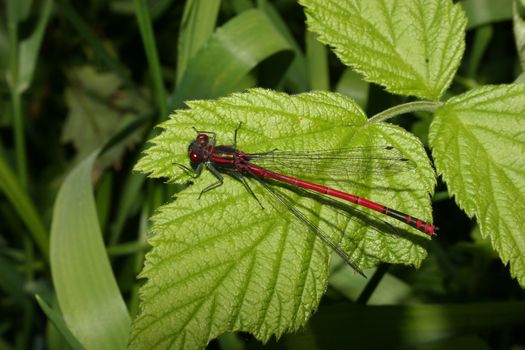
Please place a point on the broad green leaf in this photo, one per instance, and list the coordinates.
(85, 286)
(411, 47)
(222, 264)
(478, 144)
(98, 109)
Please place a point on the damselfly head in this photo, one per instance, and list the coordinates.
(196, 151)
(203, 139)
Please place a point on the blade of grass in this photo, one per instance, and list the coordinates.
(103, 198)
(519, 31)
(127, 248)
(229, 54)
(317, 63)
(198, 22)
(59, 323)
(481, 12)
(23, 205)
(22, 60)
(296, 76)
(18, 133)
(30, 48)
(150, 47)
(131, 190)
(482, 38)
(238, 6)
(132, 184)
(85, 286)
(145, 214)
(12, 81)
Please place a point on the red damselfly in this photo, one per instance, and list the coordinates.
(229, 160)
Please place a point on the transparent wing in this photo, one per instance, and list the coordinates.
(380, 160)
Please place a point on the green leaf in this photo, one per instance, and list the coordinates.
(411, 47)
(222, 264)
(59, 323)
(10, 186)
(198, 22)
(150, 48)
(482, 37)
(317, 63)
(230, 54)
(98, 109)
(156, 7)
(519, 34)
(478, 142)
(296, 77)
(480, 12)
(352, 85)
(85, 286)
(30, 48)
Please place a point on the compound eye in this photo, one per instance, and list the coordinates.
(194, 157)
(203, 138)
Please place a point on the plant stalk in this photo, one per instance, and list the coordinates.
(148, 39)
(410, 107)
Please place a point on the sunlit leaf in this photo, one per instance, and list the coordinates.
(411, 47)
(478, 142)
(221, 263)
(87, 292)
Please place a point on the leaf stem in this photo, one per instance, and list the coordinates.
(429, 106)
(12, 80)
